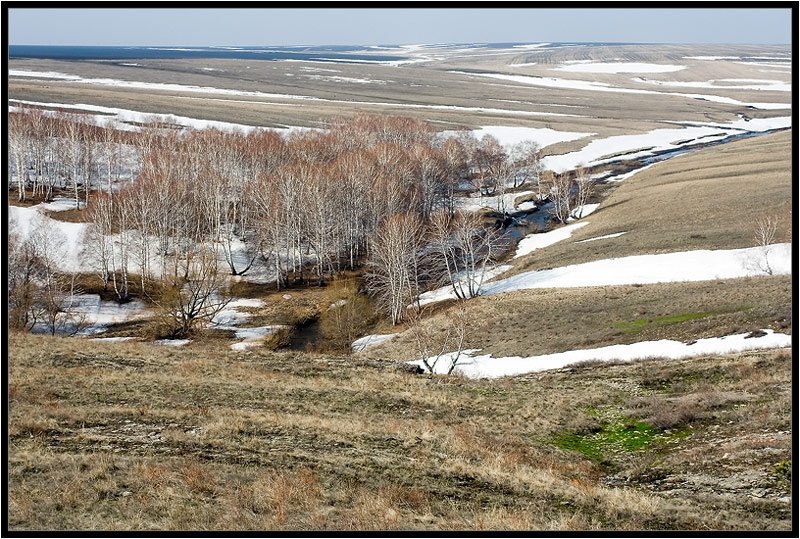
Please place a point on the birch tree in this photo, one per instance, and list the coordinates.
(394, 266)
(463, 250)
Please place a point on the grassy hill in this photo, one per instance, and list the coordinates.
(710, 199)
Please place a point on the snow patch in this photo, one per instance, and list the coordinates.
(607, 236)
(599, 150)
(750, 84)
(485, 366)
(369, 341)
(68, 251)
(252, 337)
(533, 242)
(573, 84)
(501, 203)
(173, 342)
(543, 136)
(701, 265)
(582, 211)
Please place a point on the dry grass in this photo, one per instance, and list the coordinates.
(542, 321)
(212, 439)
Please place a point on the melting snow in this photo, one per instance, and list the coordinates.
(252, 337)
(485, 366)
(173, 342)
(100, 314)
(369, 341)
(607, 236)
(532, 242)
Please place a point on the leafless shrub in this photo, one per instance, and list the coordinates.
(440, 351)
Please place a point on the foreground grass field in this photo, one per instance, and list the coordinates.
(137, 436)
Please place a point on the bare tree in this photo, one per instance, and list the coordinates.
(463, 250)
(526, 163)
(394, 267)
(764, 236)
(560, 194)
(198, 297)
(584, 186)
(18, 150)
(41, 295)
(486, 157)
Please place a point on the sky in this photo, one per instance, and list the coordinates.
(359, 26)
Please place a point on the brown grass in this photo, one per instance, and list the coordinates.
(542, 321)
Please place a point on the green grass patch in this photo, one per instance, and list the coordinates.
(640, 324)
(622, 436)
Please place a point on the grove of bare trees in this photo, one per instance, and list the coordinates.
(377, 192)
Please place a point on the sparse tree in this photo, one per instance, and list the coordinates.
(764, 236)
(584, 186)
(434, 347)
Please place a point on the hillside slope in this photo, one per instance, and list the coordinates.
(710, 199)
